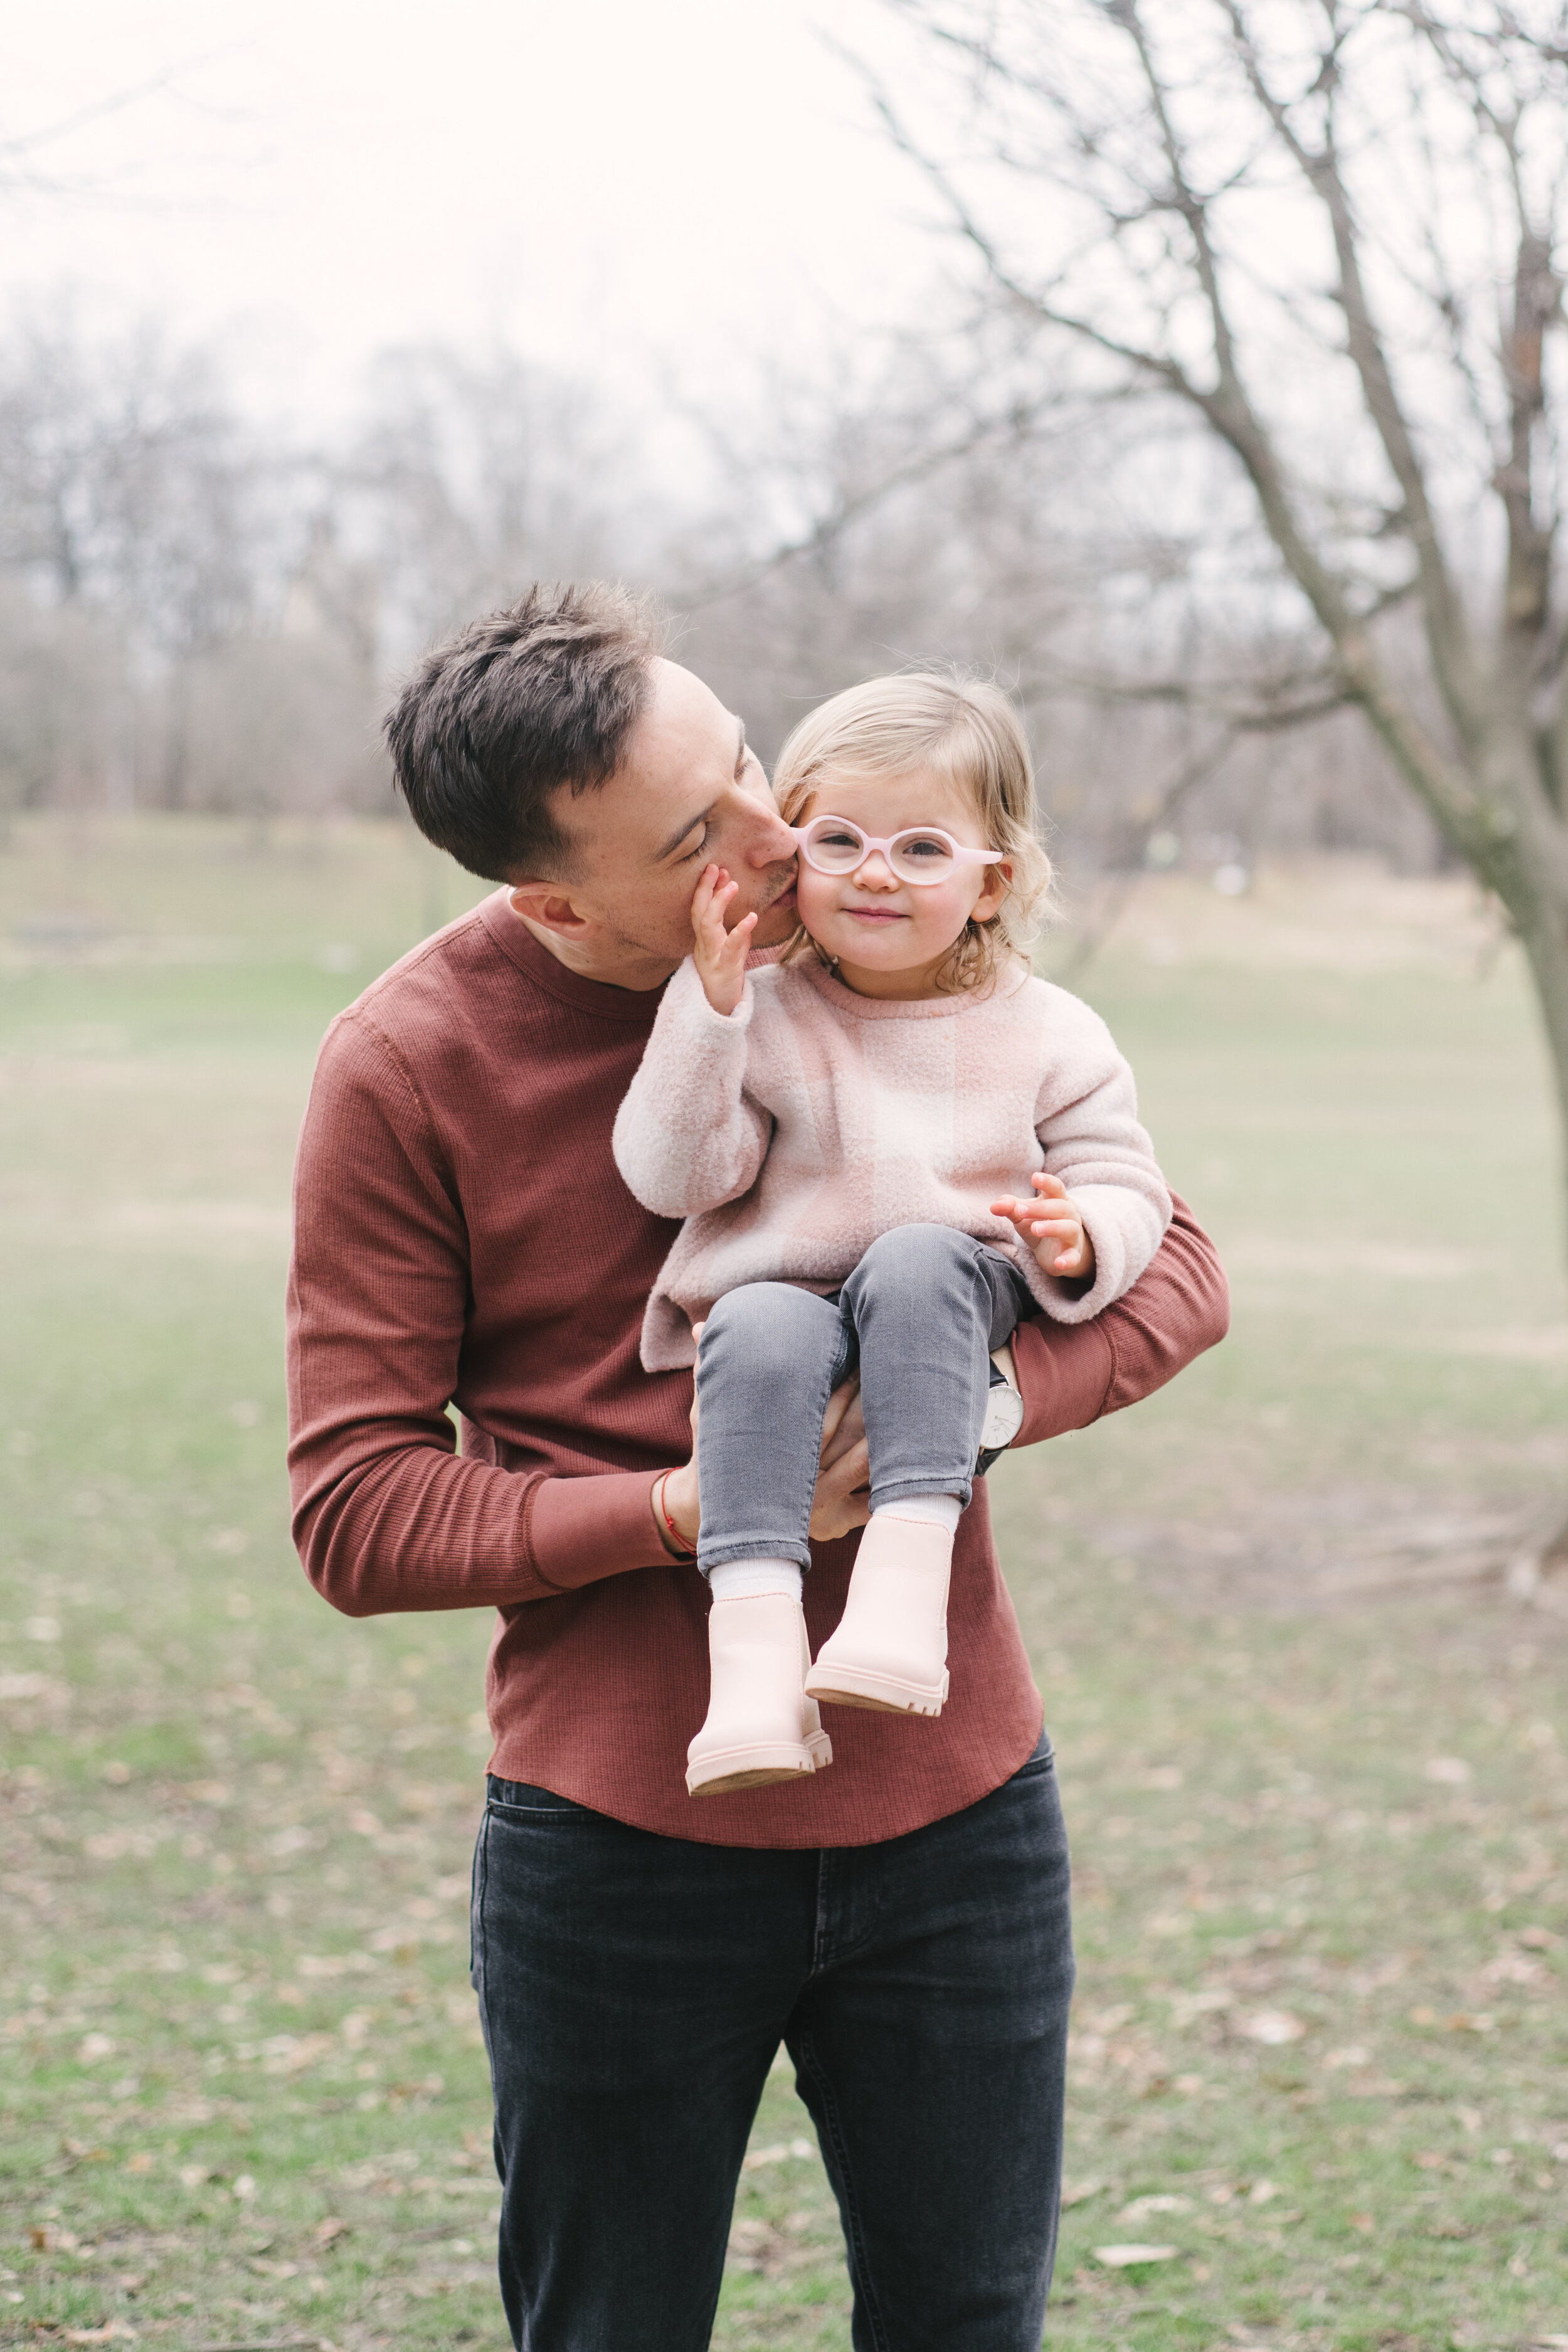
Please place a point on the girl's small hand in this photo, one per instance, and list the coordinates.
(1051, 1226)
(719, 955)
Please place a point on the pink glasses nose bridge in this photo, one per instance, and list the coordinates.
(961, 853)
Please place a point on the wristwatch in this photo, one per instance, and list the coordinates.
(1004, 1411)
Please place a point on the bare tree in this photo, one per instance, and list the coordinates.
(1326, 234)
(466, 479)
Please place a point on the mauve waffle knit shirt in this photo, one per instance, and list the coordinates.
(462, 1234)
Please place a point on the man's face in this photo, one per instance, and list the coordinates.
(689, 793)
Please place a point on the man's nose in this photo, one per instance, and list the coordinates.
(773, 843)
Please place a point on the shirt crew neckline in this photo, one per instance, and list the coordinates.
(634, 1006)
(902, 1008)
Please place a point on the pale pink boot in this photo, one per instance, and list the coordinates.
(761, 1725)
(889, 1650)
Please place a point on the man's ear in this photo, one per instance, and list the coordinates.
(550, 905)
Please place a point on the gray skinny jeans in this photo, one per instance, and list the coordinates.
(922, 1314)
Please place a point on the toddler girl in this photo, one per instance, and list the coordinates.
(871, 1142)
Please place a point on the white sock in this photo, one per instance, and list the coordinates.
(743, 1579)
(931, 1510)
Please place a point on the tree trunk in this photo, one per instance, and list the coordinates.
(1545, 944)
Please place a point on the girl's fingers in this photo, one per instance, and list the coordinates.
(1043, 1182)
(732, 945)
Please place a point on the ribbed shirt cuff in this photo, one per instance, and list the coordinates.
(1064, 1373)
(580, 1529)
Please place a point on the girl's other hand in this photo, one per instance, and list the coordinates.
(719, 955)
(1051, 1226)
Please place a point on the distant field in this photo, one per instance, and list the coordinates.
(1312, 1747)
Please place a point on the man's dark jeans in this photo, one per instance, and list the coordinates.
(634, 1990)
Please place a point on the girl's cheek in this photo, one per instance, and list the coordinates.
(812, 902)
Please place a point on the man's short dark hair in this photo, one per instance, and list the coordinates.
(496, 721)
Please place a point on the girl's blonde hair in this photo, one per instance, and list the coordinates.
(966, 731)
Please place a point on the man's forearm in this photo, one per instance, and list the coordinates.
(1073, 1374)
(418, 1529)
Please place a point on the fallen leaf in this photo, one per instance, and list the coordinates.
(1273, 2027)
(141, 2162)
(1078, 2192)
(1448, 1771)
(1262, 2192)
(47, 2239)
(93, 2046)
(325, 2232)
(1121, 2258)
(1141, 2205)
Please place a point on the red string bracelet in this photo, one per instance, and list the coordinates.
(682, 1549)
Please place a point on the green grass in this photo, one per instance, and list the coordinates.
(242, 2092)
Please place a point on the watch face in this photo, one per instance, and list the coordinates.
(1003, 1418)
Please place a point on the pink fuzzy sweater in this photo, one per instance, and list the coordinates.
(792, 1133)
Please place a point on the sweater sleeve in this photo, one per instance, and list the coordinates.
(1087, 1121)
(386, 1515)
(1075, 1374)
(687, 1137)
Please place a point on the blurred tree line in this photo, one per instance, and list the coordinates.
(199, 614)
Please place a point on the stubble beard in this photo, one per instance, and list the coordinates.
(678, 946)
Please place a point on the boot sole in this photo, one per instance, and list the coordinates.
(719, 1774)
(878, 1694)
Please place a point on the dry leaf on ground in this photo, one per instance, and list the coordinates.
(1273, 2028)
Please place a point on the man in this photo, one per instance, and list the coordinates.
(899, 1921)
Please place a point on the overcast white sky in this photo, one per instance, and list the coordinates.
(609, 183)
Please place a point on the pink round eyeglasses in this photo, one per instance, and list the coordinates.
(920, 853)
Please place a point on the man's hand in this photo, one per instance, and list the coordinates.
(679, 1495)
(1051, 1227)
(843, 1496)
(719, 955)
